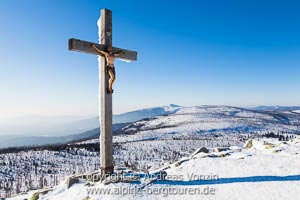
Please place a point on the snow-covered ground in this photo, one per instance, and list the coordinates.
(262, 169)
(200, 120)
(149, 143)
(28, 170)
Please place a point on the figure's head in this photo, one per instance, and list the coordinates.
(109, 49)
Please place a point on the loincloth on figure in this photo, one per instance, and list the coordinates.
(111, 68)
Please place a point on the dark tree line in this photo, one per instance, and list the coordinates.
(59, 147)
(282, 136)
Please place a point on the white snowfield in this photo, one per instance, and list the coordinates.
(264, 169)
(200, 120)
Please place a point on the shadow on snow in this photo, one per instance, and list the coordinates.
(250, 179)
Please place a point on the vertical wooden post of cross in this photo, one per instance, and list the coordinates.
(105, 99)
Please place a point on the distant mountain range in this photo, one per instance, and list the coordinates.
(196, 121)
(174, 120)
(18, 141)
(88, 128)
(276, 108)
(145, 113)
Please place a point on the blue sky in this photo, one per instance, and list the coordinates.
(241, 53)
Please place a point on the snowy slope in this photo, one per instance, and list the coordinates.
(39, 131)
(175, 121)
(201, 120)
(145, 113)
(265, 169)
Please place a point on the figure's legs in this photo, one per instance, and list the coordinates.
(112, 78)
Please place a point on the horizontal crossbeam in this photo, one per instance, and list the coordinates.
(86, 47)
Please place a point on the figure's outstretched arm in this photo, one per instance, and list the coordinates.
(119, 53)
(99, 51)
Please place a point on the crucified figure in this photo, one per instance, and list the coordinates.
(110, 67)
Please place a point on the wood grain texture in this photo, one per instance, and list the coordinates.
(105, 101)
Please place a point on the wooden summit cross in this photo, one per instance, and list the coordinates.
(105, 97)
